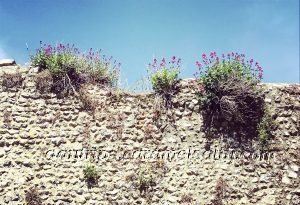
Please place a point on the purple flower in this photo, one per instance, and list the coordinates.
(198, 64)
(178, 61)
(173, 59)
(259, 68)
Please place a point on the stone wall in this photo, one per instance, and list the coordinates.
(34, 127)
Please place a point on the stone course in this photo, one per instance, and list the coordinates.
(32, 124)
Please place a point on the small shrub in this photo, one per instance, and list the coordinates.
(70, 68)
(44, 81)
(146, 178)
(164, 76)
(90, 173)
(32, 197)
(229, 92)
(264, 130)
(11, 80)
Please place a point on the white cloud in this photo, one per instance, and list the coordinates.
(2, 54)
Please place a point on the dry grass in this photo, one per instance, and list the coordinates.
(88, 103)
(43, 81)
(7, 117)
(11, 80)
(219, 192)
(186, 199)
(32, 197)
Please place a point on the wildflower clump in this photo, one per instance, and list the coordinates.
(70, 68)
(230, 93)
(164, 75)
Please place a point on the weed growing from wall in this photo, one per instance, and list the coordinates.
(32, 197)
(219, 192)
(90, 174)
(265, 127)
(70, 68)
(164, 76)
(230, 96)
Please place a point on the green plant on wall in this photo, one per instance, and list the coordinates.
(229, 91)
(146, 178)
(90, 174)
(70, 68)
(164, 76)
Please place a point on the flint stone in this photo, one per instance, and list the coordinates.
(7, 62)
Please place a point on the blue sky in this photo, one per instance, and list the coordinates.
(134, 31)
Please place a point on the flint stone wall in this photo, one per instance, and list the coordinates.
(43, 124)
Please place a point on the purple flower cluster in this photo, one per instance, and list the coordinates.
(58, 49)
(174, 62)
(92, 57)
(214, 59)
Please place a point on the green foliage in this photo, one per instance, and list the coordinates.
(69, 68)
(90, 172)
(216, 77)
(230, 95)
(146, 177)
(57, 64)
(164, 77)
(264, 130)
